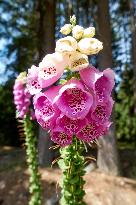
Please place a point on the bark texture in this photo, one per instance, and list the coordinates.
(46, 10)
(107, 159)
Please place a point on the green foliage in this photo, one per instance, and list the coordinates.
(8, 124)
(122, 60)
(124, 109)
(31, 151)
(72, 165)
(18, 23)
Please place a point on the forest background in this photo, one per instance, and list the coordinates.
(28, 31)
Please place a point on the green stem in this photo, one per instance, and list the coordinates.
(72, 165)
(30, 142)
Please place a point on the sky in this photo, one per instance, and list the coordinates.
(3, 77)
(124, 46)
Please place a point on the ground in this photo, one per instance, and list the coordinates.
(101, 189)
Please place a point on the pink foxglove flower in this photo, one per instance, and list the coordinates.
(21, 96)
(60, 137)
(92, 131)
(33, 84)
(78, 61)
(52, 68)
(101, 83)
(102, 111)
(43, 106)
(46, 113)
(73, 100)
(69, 125)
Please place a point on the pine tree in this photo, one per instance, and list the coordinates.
(18, 31)
(125, 106)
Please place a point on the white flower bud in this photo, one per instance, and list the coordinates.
(22, 77)
(66, 29)
(73, 20)
(77, 31)
(89, 32)
(78, 61)
(66, 45)
(89, 46)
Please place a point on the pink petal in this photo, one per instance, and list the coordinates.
(89, 132)
(51, 69)
(69, 125)
(60, 137)
(101, 112)
(90, 75)
(52, 92)
(105, 83)
(73, 100)
(92, 131)
(43, 106)
(33, 84)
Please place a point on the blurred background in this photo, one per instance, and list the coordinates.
(28, 31)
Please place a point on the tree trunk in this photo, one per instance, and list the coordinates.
(46, 44)
(107, 158)
(46, 34)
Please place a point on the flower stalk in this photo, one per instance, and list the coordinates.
(72, 164)
(30, 142)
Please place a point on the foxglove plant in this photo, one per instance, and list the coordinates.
(76, 110)
(22, 99)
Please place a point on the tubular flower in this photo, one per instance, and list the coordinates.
(78, 61)
(44, 106)
(66, 29)
(89, 32)
(73, 100)
(101, 83)
(92, 131)
(105, 84)
(89, 132)
(46, 113)
(51, 68)
(21, 96)
(66, 45)
(89, 46)
(33, 84)
(102, 111)
(69, 125)
(80, 107)
(60, 137)
(77, 31)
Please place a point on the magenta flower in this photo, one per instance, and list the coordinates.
(73, 100)
(60, 137)
(100, 82)
(21, 98)
(69, 125)
(46, 113)
(102, 111)
(90, 75)
(43, 106)
(33, 84)
(92, 131)
(52, 68)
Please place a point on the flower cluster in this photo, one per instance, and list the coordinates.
(71, 52)
(80, 107)
(21, 96)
